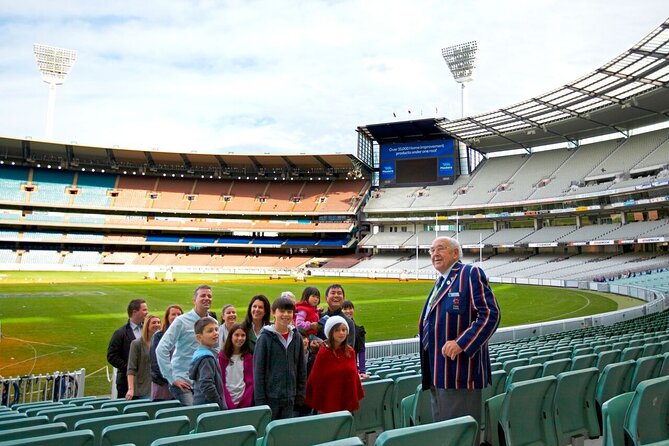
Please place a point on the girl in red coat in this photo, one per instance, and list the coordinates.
(334, 383)
(236, 361)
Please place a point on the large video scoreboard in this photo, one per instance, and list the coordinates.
(418, 163)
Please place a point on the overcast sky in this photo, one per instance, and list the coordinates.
(290, 76)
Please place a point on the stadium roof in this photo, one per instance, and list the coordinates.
(114, 160)
(630, 91)
(393, 132)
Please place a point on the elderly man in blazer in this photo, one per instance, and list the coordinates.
(459, 317)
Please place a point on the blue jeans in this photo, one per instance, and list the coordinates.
(185, 397)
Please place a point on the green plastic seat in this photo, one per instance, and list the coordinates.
(71, 418)
(384, 373)
(555, 367)
(23, 422)
(376, 410)
(526, 416)
(417, 408)
(34, 410)
(22, 407)
(120, 404)
(583, 361)
(523, 373)
(237, 436)
(78, 438)
(350, 441)
(631, 353)
(404, 386)
(80, 400)
(574, 405)
(491, 411)
(52, 412)
(32, 431)
(647, 419)
(613, 418)
(192, 412)
(511, 364)
(12, 416)
(613, 380)
(651, 349)
(607, 357)
(461, 431)
(257, 416)
(309, 430)
(646, 368)
(151, 407)
(96, 425)
(664, 367)
(540, 359)
(395, 376)
(143, 433)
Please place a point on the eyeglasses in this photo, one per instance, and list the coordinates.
(438, 248)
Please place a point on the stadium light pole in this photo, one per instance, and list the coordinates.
(54, 64)
(461, 61)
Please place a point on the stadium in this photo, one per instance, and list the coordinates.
(562, 194)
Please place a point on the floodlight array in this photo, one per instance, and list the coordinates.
(461, 60)
(54, 63)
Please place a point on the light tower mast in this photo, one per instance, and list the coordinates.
(54, 64)
(461, 61)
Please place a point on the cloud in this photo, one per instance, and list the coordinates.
(290, 76)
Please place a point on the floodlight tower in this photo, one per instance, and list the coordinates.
(54, 64)
(461, 61)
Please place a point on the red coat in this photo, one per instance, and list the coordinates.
(334, 383)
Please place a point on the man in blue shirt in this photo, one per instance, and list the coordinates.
(175, 350)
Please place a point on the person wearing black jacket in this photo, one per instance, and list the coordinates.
(119, 344)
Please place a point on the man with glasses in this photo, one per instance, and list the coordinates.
(459, 317)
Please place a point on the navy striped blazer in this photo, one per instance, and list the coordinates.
(466, 311)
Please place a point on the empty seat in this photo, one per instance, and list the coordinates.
(457, 431)
(238, 436)
(257, 416)
(192, 412)
(526, 416)
(376, 411)
(647, 419)
(574, 405)
(71, 418)
(318, 429)
(96, 425)
(583, 361)
(23, 422)
(32, 431)
(614, 380)
(613, 418)
(646, 368)
(555, 367)
(77, 438)
(404, 386)
(143, 433)
(151, 407)
(607, 357)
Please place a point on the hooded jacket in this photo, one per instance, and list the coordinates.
(279, 369)
(205, 374)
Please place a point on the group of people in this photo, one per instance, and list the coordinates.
(307, 359)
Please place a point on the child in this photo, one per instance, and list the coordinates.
(279, 370)
(334, 383)
(236, 363)
(359, 345)
(307, 311)
(204, 370)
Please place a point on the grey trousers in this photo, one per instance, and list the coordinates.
(454, 403)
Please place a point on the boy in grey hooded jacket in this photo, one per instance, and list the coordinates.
(205, 372)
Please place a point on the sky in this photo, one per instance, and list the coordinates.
(290, 76)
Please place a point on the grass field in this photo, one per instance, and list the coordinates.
(63, 321)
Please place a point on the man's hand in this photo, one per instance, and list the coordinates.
(451, 349)
(183, 385)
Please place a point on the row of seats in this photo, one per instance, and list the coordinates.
(80, 422)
